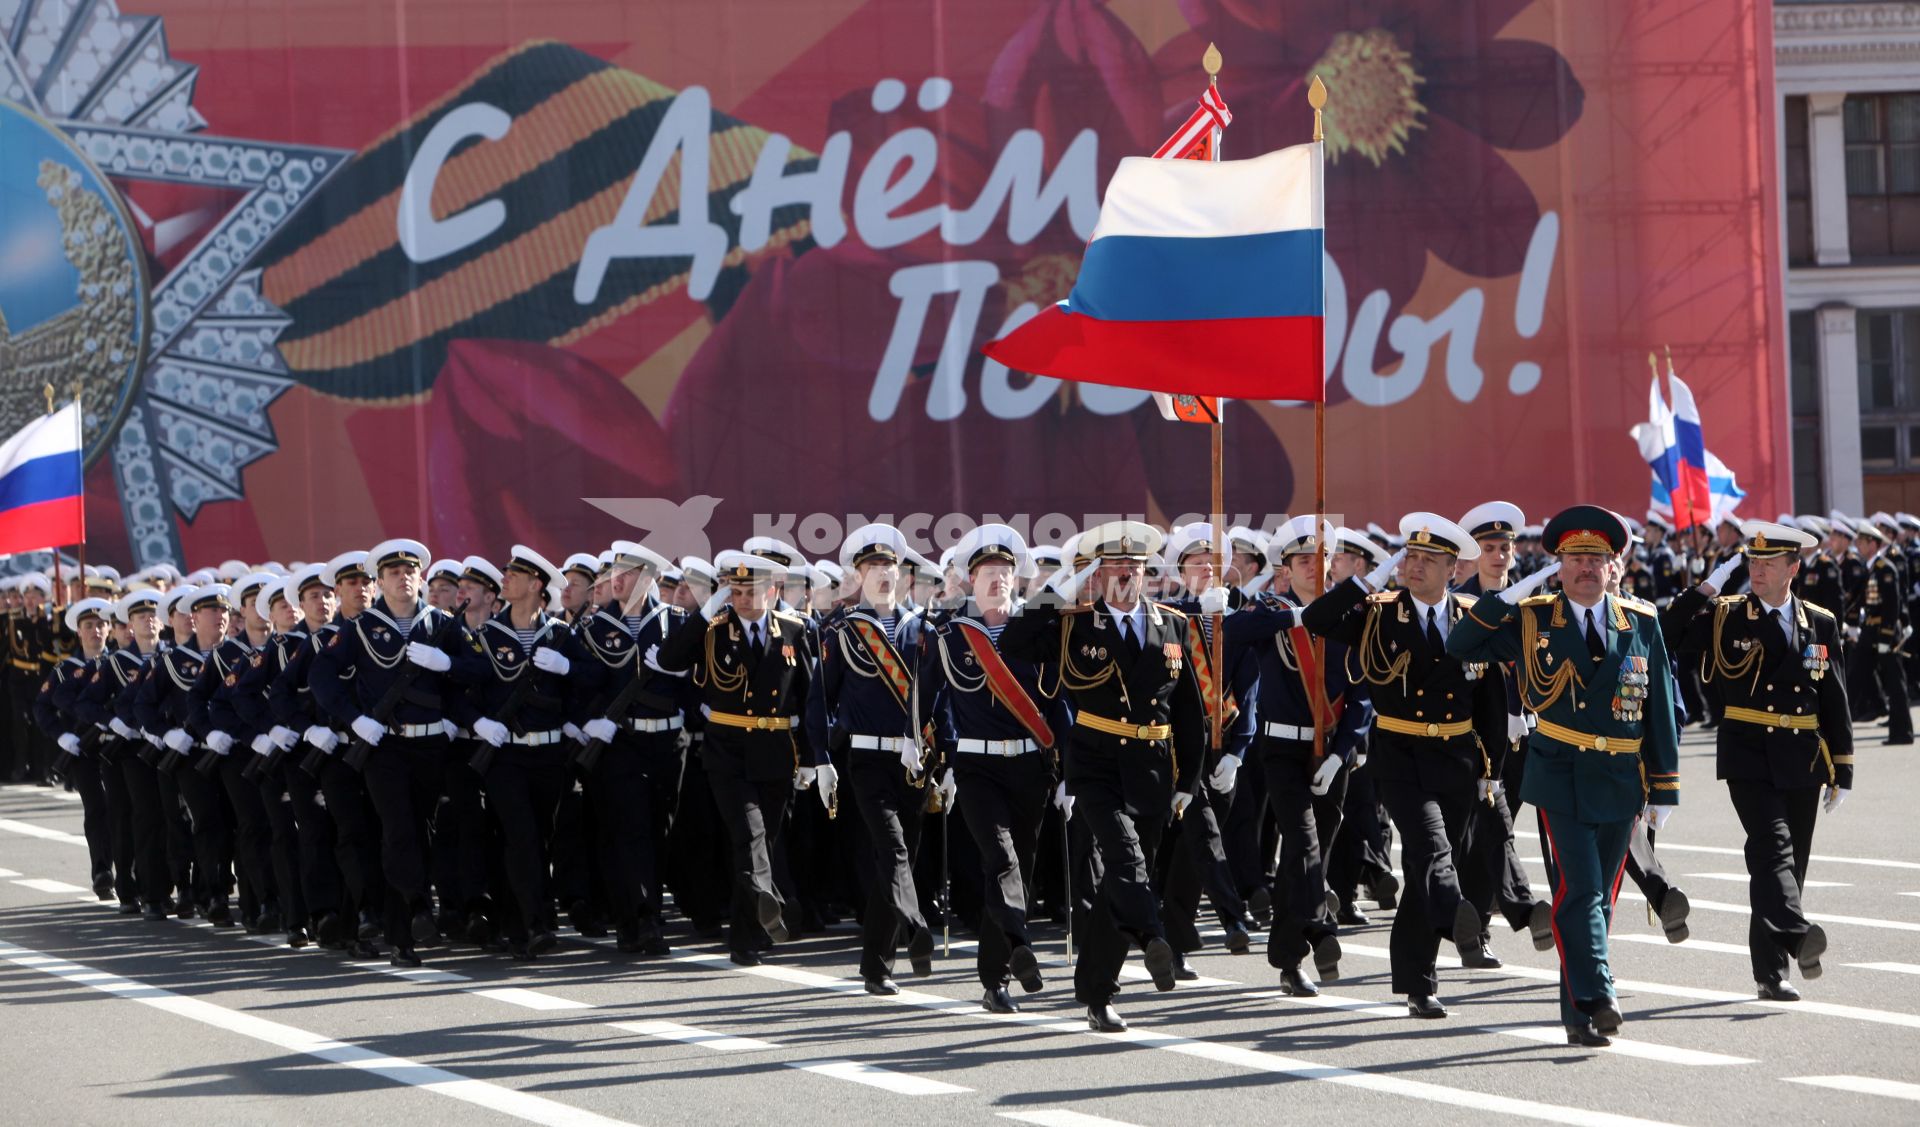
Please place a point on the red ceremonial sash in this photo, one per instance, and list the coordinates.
(891, 671)
(1005, 687)
(1201, 655)
(1325, 713)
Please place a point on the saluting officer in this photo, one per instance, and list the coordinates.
(751, 665)
(1787, 733)
(1135, 753)
(1427, 763)
(1604, 748)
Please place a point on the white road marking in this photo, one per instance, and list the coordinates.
(898, 1083)
(1061, 1117)
(41, 884)
(1689, 945)
(687, 1034)
(1723, 851)
(28, 829)
(1816, 917)
(400, 1070)
(1744, 878)
(8, 873)
(1897, 968)
(1866, 1085)
(531, 999)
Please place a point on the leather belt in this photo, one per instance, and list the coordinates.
(668, 724)
(537, 739)
(1288, 731)
(1423, 728)
(755, 723)
(1612, 745)
(421, 731)
(1772, 720)
(1117, 728)
(995, 747)
(894, 744)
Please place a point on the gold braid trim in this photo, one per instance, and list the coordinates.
(1376, 667)
(722, 680)
(1071, 675)
(1542, 688)
(1715, 663)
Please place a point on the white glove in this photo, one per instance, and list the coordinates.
(1213, 600)
(219, 741)
(1377, 578)
(910, 757)
(1713, 583)
(600, 728)
(1224, 774)
(262, 744)
(428, 658)
(1516, 725)
(120, 728)
(490, 730)
(1530, 584)
(1835, 796)
(70, 744)
(178, 740)
(803, 778)
(1853, 633)
(1324, 774)
(1181, 800)
(283, 737)
(826, 780)
(550, 660)
(369, 729)
(1658, 815)
(572, 731)
(1064, 801)
(323, 737)
(151, 738)
(715, 604)
(948, 788)
(1069, 588)
(1487, 790)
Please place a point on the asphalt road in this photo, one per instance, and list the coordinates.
(107, 1018)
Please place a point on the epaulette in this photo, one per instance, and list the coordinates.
(1462, 599)
(1817, 610)
(800, 620)
(1169, 608)
(1537, 600)
(1637, 606)
(1383, 596)
(1726, 600)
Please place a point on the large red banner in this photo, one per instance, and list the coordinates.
(497, 271)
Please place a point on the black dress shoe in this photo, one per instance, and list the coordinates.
(404, 957)
(1326, 956)
(154, 913)
(1673, 915)
(1812, 946)
(920, 952)
(1903, 741)
(219, 915)
(1467, 928)
(1607, 1018)
(1540, 924)
(882, 987)
(129, 907)
(1238, 941)
(297, 937)
(1159, 959)
(998, 1001)
(425, 931)
(184, 910)
(480, 930)
(1425, 1005)
(1350, 915)
(1025, 968)
(745, 958)
(362, 949)
(1105, 1019)
(1260, 906)
(1479, 956)
(767, 908)
(585, 920)
(1183, 970)
(370, 928)
(1294, 983)
(540, 942)
(103, 885)
(1385, 889)
(1779, 990)
(1332, 901)
(1584, 1034)
(331, 929)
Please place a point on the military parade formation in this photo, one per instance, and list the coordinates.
(385, 753)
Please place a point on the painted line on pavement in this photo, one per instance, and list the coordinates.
(28, 829)
(688, 1035)
(1743, 878)
(1061, 1117)
(874, 1076)
(531, 999)
(1726, 852)
(41, 884)
(1865, 1085)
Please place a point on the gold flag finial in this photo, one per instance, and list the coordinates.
(1210, 62)
(1653, 362)
(1317, 98)
(48, 389)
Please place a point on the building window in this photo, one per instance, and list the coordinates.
(1889, 372)
(1799, 191)
(1803, 383)
(1883, 175)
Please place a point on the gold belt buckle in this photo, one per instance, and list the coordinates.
(1433, 729)
(1140, 732)
(1599, 743)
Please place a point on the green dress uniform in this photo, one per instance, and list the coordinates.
(1605, 746)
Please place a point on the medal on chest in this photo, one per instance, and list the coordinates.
(1175, 655)
(1814, 661)
(1473, 670)
(1630, 697)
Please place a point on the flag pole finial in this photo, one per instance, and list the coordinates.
(1317, 98)
(48, 391)
(1653, 362)
(1210, 62)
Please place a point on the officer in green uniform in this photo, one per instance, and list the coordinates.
(1594, 670)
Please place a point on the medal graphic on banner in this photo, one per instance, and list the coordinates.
(153, 319)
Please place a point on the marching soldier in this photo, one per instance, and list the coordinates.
(1604, 748)
(213, 720)
(750, 663)
(1661, 561)
(1427, 763)
(57, 713)
(1819, 578)
(1787, 734)
(107, 701)
(1362, 853)
(866, 705)
(1883, 627)
(1135, 752)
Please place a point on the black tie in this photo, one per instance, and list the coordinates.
(1434, 642)
(1595, 645)
(754, 643)
(1780, 624)
(1126, 637)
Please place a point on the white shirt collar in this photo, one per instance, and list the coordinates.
(1137, 617)
(1439, 608)
(1597, 612)
(1783, 610)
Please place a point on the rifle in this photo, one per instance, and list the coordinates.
(482, 760)
(357, 752)
(634, 692)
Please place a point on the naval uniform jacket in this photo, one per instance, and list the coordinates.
(352, 672)
(755, 709)
(611, 654)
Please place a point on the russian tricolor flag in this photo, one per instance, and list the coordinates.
(1689, 483)
(41, 501)
(1202, 278)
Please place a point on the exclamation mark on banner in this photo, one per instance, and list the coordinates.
(1530, 304)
